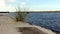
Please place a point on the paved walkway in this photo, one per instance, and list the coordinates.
(8, 26)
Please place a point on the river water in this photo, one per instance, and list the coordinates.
(46, 20)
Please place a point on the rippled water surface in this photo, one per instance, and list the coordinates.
(46, 20)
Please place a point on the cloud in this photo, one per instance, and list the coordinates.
(2, 3)
(23, 4)
(7, 8)
(10, 8)
(27, 0)
(10, 0)
(4, 7)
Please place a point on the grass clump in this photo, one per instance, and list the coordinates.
(21, 16)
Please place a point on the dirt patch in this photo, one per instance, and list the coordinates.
(30, 30)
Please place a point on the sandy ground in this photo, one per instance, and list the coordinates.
(8, 26)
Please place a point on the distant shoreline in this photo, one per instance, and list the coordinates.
(35, 11)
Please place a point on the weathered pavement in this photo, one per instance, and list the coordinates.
(8, 26)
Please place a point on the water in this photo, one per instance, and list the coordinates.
(11, 14)
(46, 20)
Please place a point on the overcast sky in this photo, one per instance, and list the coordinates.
(10, 5)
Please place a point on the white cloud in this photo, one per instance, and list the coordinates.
(10, 0)
(2, 3)
(10, 8)
(3, 6)
(27, 0)
(7, 8)
(23, 4)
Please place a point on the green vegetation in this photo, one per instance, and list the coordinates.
(21, 16)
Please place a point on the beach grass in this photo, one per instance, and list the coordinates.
(21, 16)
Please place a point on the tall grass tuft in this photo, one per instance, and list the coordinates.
(21, 16)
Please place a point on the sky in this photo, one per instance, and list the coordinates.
(31, 5)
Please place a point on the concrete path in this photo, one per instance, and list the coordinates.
(8, 26)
